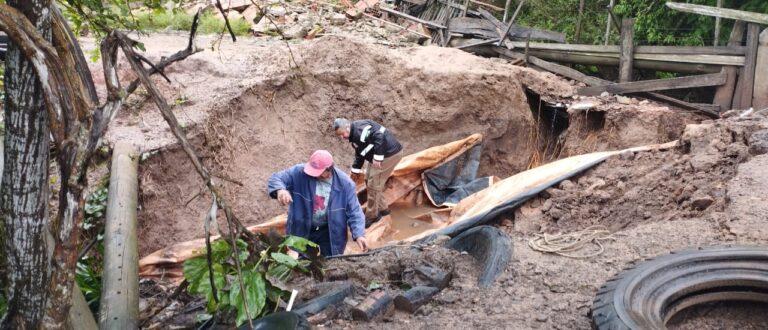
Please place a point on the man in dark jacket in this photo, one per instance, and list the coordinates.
(322, 203)
(377, 145)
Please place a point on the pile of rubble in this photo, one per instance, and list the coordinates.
(307, 19)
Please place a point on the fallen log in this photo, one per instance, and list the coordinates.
(411, 300)
(376, 303)
(119, 308)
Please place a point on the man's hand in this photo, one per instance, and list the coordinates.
(376, 164)
(362, 243)
(284, 197)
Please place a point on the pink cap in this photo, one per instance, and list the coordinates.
(318, 163)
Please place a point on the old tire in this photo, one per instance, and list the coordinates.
(491, 247)
(647, 295)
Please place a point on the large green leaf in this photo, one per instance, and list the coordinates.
(255, 294)
(297, 243)
(284, 259)
(220, 250)
(196, 273)
(194, 269)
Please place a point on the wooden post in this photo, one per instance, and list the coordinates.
(578, 21)
(511, 22)
(724, 96)
(760, 94)
(626, 57)
(608, 24)
(747, 80)
(80, 316)
(506, 10)
(120, 293)
(717, 25)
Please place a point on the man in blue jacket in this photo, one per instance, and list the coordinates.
(322, 203)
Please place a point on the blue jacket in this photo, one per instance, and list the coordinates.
(343, 207)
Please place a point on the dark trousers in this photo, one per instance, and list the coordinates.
(321, 237)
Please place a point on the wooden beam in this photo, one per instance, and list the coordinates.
(714, 79)
(119, 308)
(724, 94)
(669, 50)
(412, 18)
(760, 94)
(487, 5)
(594, 81)
(750, 65)
(580, 58)
(626, 56)
(720, 12)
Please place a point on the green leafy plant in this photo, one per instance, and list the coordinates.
(3, 303)
(95, 207)
(264, 274)
(88, 278)
(88, 269)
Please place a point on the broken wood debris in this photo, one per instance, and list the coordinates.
(415, 297)
(375, 304)
(713, 79)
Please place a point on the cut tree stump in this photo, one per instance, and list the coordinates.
(375, 304)
(411, 300)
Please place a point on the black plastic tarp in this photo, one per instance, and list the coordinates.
(455, 179)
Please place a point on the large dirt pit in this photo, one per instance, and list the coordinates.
(427, 96)
(258, 117)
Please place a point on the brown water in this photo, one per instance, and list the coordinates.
(409, 220)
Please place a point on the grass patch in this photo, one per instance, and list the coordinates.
(181, 21)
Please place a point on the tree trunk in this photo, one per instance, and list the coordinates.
(24, 191)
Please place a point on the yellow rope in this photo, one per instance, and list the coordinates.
(566, 244)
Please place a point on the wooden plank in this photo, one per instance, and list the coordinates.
(724, 95)
(750, 65)
(671, 50)
(713, 79)
(487, 5)
(412, 18)
(591, 59)
(594, 81)
(692, 59)
(760, 94)
(626, 56)
(473, 26)
(119, 308)
(720, 12)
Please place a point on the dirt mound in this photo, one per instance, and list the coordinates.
(633, 188)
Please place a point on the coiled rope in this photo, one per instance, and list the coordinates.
(568, 245)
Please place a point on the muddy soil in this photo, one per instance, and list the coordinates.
(541, 291)
(250, 114)
(257, 116)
